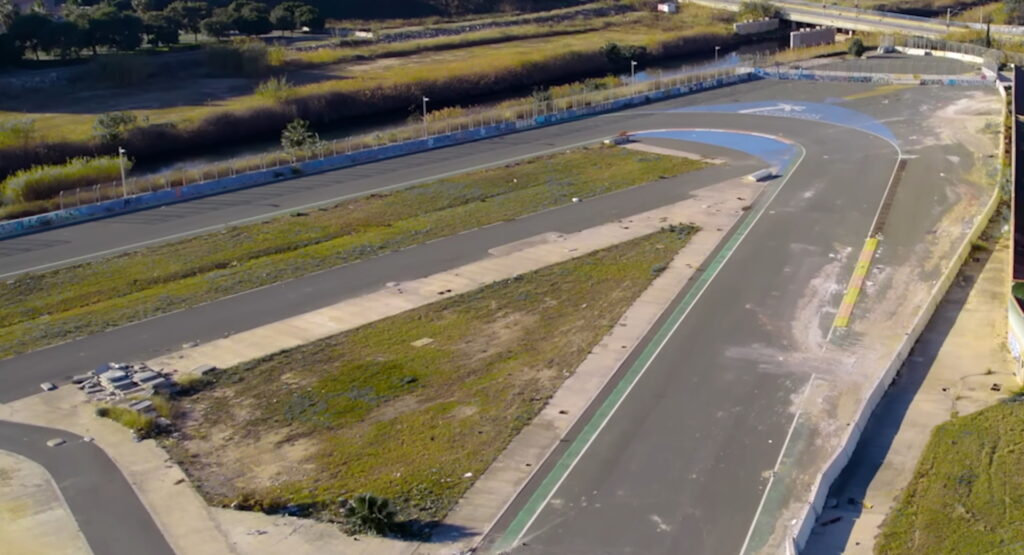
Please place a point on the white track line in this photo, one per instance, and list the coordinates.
(85, 257)
(775, 469)
(568, 471)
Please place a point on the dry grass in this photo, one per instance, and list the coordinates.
(366, 411)
(47, 308)
(967, 494)
(413, 72)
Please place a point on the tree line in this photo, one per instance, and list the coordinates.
(126, 25)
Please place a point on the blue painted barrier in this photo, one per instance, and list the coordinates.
(69, 216)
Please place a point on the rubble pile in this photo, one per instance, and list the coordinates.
(116, 380)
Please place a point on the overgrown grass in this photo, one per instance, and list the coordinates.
(143, 425)
(967, 494)
(415, 424)
(45, 182)
(275, 89)
(38, 310)
(378, 87)
(346, 53)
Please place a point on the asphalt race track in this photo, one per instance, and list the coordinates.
(110, 516)
(680, 465)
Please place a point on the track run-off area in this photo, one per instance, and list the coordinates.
(708, 438)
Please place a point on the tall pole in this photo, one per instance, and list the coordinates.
(716, 53)
(124, 183)
(632, 72)
(425, 99)
(948, 11)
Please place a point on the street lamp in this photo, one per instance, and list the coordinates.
(632, 71)
(425, 100)
(124, 185)
(717, 48)
(949, 12)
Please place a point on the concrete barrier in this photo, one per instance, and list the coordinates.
(800, 531)
(105, 209)
(878, 78)
(755, 27)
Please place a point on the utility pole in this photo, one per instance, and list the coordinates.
(124, 182)
(717, 48)
(632, 72)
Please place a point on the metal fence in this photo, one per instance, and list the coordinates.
(524, 113)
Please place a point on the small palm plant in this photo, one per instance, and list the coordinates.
(372, 514)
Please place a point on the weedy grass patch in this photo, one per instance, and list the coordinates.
(42, 309)
(967, 493)
(370, 411)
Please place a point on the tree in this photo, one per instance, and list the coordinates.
(29, 31)
(144, 6)
(250, 18)
(64, 38)
(217, 27)
(190, 14)
(752, 10)
(308, 16)
(111, 127)
(369, 513)
(298, 136)
(282, 18)
(10, 52)
(1014, 10)
(8, 12)
(620, 56)
(104, 25)
(856, 47)
(161, 28)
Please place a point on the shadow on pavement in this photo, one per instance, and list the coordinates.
(847, 494)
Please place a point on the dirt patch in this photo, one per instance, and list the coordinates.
(366, 411)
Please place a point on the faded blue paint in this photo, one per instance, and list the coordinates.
(817, 111)
(775, 152)
(144, 201)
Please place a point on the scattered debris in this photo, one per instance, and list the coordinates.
(117, 380)
(422, 342)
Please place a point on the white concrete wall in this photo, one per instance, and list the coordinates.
(753, 27)
(812, 37)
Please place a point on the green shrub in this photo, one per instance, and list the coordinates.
(112, 127)
(247, 57)
(368, 513)
(276, 89)
(856, 47)
(45, 182)
(756, 9)
(143, 426)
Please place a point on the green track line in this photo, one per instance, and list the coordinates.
(543, 492)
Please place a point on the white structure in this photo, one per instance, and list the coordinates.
(756, 26)
(812, 37)
(668, 7)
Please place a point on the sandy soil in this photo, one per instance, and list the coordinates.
(33, 517)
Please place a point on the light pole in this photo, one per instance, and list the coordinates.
(425, 100)
(124, 183)
(717, 48)
(632, 72)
